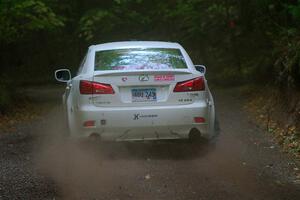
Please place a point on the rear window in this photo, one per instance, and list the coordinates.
(139, 59)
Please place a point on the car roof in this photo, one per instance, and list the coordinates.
(135, 44)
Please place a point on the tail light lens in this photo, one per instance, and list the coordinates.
(89, 87)
(196, 84)
(89, 123)
(199, 120)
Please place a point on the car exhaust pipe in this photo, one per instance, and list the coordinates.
(195, 135)
(94, 136)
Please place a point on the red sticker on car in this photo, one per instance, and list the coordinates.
(164, 77)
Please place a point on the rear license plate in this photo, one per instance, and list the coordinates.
(143, 95)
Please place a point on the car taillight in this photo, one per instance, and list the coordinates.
(89, 87)
(199, 119)
(196, 84)
(89, 123)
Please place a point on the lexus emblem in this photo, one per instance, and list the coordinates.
(144, 78)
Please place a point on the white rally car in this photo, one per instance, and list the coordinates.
(138, 90)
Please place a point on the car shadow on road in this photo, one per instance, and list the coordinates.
(158, 150)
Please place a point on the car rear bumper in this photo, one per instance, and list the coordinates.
(142, 123)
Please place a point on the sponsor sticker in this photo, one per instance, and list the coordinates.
(185, 100)
(140, 116)
(124, 79)
(168, 77)
(103, 102)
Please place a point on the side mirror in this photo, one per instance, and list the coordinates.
(63, 75)
(201, 68)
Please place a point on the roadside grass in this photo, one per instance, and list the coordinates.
(29, 104)
(22, 111)
(278, 112)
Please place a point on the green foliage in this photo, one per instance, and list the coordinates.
(239, 40)
(119, 18)
(294, 10)
(287, 64)
(18, 18)
(96, 20)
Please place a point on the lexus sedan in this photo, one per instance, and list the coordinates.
(138, 90)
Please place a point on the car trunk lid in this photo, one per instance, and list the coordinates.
(142, 88)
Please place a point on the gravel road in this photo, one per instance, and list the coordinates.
(242, 163)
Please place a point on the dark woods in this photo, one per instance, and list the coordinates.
(240, 41)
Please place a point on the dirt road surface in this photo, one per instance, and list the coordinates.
(243, 163)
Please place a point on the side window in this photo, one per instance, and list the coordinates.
(82, 65)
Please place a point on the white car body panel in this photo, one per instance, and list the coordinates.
(170, 117)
